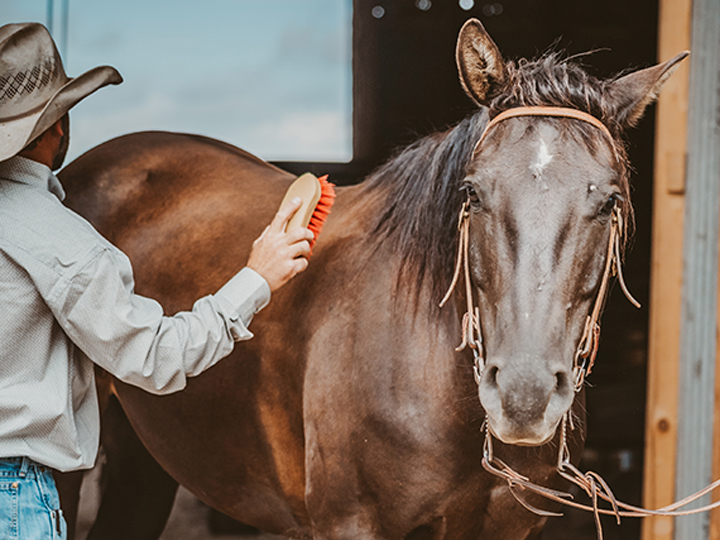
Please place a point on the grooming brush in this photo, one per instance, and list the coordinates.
(317, 196)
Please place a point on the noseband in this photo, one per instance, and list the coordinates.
(591, 483)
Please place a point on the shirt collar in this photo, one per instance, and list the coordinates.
(27, 171)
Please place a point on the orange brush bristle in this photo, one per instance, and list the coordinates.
(322, 209)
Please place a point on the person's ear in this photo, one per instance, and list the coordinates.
(57, 128)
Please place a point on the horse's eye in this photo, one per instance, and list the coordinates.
(472, 194)
(609, 205)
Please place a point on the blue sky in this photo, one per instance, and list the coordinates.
(271, 76)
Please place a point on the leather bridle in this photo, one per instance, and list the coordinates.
(587, 347)
(556, 112)
(591, 483)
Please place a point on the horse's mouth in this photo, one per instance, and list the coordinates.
(517, 439)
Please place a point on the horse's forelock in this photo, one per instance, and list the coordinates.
(556, 82)
(553, 81)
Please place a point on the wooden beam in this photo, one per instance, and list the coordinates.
(666, 271)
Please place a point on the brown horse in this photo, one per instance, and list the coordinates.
(350, 414)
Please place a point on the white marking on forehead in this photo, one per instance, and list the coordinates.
(544, 157)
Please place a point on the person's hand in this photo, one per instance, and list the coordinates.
(278, 256)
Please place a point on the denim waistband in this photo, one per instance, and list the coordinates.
(21, 467)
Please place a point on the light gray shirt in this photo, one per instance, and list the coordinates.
(66, 301)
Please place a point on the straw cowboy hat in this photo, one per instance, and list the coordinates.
(34, 90)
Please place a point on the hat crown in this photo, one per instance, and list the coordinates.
(31, 70)
(35, 92)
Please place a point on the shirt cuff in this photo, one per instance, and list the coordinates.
(247, 292)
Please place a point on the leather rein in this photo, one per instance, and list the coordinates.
(591, 483)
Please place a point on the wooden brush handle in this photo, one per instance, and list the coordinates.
(307, 187)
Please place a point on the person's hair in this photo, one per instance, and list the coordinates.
(33, 144)
(62, 149)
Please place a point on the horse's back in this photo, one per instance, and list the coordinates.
(184, 208)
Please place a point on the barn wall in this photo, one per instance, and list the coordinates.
(683, 435)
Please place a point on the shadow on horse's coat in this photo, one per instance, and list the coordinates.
(350, 414)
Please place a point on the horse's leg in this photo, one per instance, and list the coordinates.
(358, 526)
(137, 494)
(348, 528)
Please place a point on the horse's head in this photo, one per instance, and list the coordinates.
(542, 194)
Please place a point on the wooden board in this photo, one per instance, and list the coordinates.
(666, 272)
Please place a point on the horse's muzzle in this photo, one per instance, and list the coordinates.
(523, 406)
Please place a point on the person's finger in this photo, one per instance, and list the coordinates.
(299, 234)
(300, 249)
(283, 215)
(300, 264)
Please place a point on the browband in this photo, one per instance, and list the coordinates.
(549, 111)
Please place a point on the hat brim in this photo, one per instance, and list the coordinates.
(17, 133)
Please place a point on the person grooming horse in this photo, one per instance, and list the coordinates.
(67, 297)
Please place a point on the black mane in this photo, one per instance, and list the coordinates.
(421, 190)
(421, 184)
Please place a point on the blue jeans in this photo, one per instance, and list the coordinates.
(29, 502)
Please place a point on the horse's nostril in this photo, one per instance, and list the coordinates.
(561, 379)
(492, 373)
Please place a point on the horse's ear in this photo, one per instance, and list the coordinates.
(480, 64)
(631, 93)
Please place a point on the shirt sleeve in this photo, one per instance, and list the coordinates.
(129, 336)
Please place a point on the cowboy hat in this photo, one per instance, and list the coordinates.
(34, 90)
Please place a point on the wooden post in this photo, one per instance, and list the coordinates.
(666, 271)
